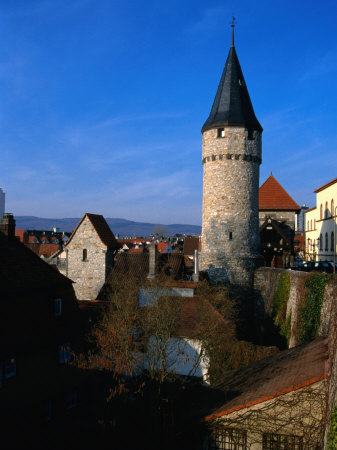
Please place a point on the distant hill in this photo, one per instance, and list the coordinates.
(122, 227)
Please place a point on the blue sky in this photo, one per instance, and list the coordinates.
(102, 102)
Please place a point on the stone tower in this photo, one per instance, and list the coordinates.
(231, 157)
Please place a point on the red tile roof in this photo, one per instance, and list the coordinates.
(101, 227)
(136, 250)
(271, 377)
(326, 185)
(272, 197)
(45, 250)
(20, 234)
(311, 209)
(161, 246)
(193, 314)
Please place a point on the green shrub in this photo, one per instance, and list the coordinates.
(310, 313)
(332, 436)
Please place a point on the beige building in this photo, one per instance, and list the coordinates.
(320, 224)
(276, 403)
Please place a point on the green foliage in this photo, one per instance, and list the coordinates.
(281, 298)
(332, 436)
(310, 312)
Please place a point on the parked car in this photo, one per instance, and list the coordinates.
(322, 266)
(314, 266)
(298, 265)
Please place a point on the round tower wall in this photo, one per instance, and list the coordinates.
(230, 222)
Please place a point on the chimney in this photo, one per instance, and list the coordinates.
(7, 225)
(152, 260)
(196, 266)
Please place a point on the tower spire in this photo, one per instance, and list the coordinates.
(233, 23)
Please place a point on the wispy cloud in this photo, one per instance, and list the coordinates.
(27, 9)
(113, 121)
(210, 19)
(325, 65)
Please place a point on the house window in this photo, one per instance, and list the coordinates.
(332, 208)
(332, 248)
(64, 353)
(71, 399)
(84, 255)
(314, 224)
(221, 132)
(10, 369)
(58, 307)
(321, 242)
(282, 442)
(228, 438)
(321, 212)
(326, 242)
(326, 213)
(308, 225)
(311, 224)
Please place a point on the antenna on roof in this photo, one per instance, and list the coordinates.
(232, 24)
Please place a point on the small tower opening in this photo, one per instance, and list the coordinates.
(221, 132)
(250, 134)
(230, 235)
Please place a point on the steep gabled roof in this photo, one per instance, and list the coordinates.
(22, 271)
(232, 104)
(272, 197)
(101, 227)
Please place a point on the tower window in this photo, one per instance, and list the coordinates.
(221, 132)
(230, 235)
(250, 135)
(84, 255)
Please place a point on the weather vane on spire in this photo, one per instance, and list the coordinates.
(233, 23)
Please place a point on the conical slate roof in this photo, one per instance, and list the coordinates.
(232, 104)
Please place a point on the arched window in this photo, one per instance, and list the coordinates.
(332, 208)
(326, 242)
(332, 241)
(321, 212)
(314, 224)
(321, 242)
(326, 212)
(311, 224)
(308, 225)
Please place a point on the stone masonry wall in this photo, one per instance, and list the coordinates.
(230, 224)
(286, 216)
(89, 275)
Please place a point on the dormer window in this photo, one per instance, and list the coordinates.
(58, 307)
(221, 132)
